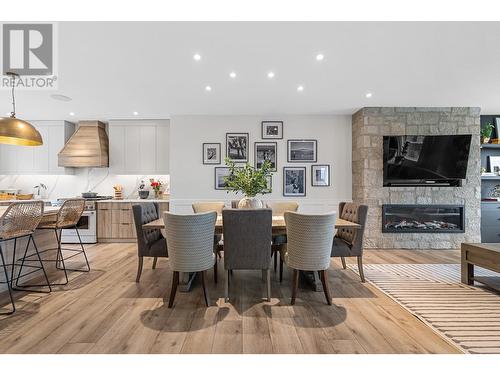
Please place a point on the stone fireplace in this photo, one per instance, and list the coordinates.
(369, 125)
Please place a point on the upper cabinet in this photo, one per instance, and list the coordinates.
(139, 146)
(38, 159)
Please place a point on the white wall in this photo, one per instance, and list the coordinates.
(193, 181)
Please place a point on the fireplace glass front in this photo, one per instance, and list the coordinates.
(397, 218)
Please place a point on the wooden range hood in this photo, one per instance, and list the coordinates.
(87, 147)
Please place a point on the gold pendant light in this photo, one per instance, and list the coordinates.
(15, 131)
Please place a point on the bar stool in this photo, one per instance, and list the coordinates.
(67, 218)
(20, 220)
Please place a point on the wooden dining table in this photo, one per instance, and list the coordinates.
(278, 227)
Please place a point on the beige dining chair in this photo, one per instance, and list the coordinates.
(278, 209)
(190, 247)
(308, 248)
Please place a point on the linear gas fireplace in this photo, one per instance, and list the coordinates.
(423, 218)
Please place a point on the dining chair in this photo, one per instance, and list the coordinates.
(308, 247)
(190, 246)
(279, 209)
(67, 218)
(150, 242)
(20, 220)
(348, 242)
(247, 243)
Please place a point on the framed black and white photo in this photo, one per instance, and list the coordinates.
(220, 173)
(294, 181)
(266, 151)
(211, 153)
(320, 175)
(237, 147)
(302, 150)
(272, 129)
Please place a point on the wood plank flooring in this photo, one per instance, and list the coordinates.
(105, 311)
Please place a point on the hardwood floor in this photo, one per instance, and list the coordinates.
(105, 311)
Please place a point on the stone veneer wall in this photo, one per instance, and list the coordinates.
(369, 125)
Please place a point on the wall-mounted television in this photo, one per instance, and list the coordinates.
(416, 160)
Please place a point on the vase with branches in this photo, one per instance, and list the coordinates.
(249, 181)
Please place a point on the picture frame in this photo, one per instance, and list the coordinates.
(302, 150)
(211, 153)
(294, 181)
(494, 164)
(266, 151)
(237, 147)
(220, 173)
(272, 129)
(320, 175)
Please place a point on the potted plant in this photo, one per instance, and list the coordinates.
(486, 132)
(250, 181)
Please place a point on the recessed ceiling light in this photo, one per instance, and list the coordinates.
(197, 57)
(270, 75)
(208, 88)
(368, 95)
(135, 113)
(320, 56)
(72, 113)
(300, 88)
(62, 98)
(232, 75)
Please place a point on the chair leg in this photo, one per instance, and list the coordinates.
(343, 262)
(275, 255)
(23, 259)
(281, 269)
(226, 287)
(360, 269)
(41, 262)
(60, 257)
(139, 269)
(326, 289)
(215, 271)
(173, 288)
(8, 285)
(295, 285)
(83, 252)
(155, 259)
(268, 282)
(205, 287)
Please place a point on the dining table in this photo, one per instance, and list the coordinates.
(278, 227)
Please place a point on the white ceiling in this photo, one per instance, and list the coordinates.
(112, 69)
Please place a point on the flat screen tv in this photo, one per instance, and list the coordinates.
(415, 160)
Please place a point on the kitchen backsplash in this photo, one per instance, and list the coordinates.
(84, 179)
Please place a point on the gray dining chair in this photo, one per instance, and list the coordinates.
(191, 247)
(349, 242)
(308, 247)
(150, 242)
(279, 209)
(247, 242)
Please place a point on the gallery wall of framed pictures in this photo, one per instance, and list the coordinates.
(298, 151)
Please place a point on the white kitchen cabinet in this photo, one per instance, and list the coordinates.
(38, 159)
(139, 146)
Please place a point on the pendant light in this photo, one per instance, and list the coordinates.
(14, 131)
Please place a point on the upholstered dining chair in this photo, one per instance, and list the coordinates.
(67, 218)
(190, 246)
(247, 242)
(279, 209)
(20, 220)
(308, 248)
(150, 242)
(199, 207)
(349, 242)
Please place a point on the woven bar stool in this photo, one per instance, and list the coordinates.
(67, 218)
(20, 221)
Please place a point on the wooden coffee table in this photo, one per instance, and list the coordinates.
(485, 255)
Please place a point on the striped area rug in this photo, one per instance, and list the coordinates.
(466, 316)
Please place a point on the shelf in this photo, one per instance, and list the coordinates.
(490, 145)
(490, 177)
